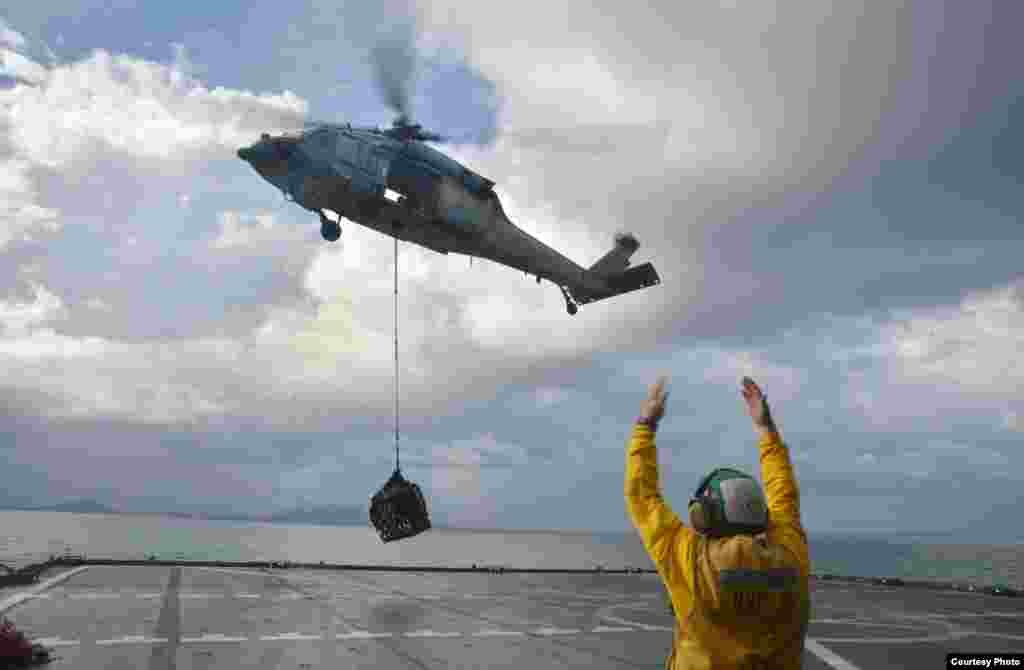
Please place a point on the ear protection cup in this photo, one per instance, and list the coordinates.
(707, 510)
(704, 513)
(699, 517)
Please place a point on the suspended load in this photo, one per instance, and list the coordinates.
(398, 510)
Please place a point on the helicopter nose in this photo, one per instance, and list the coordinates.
(246, 153)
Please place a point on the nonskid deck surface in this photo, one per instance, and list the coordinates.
(179, 617)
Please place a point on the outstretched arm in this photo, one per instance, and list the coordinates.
(662, 532)
(780, 487)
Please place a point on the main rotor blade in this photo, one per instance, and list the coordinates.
(393, 61)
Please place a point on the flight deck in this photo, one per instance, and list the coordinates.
(185, 616)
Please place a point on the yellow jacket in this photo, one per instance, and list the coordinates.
(730, 613)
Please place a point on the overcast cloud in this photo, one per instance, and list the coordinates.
(826, 194)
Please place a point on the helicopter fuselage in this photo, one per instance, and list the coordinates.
(405, 189)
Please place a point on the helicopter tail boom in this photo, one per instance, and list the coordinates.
(627, 281)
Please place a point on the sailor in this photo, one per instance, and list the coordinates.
(737, 576)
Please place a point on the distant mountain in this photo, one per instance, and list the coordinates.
(325, 515)
(75, 506)
(83, 507)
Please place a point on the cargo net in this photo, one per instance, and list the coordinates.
(398, 509)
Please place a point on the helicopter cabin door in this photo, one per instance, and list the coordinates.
(372, 162)
(379, 163)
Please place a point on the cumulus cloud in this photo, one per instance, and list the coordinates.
(746, 90)
(963, 357)
(21, 215)
(975, 344)
(100, 116)
(126, 105)
(242, 232)
(18, 318)
(20, 68)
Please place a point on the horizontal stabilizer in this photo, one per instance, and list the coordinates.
(617, 259)
(633, 279)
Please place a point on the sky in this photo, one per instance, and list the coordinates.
(832, 197)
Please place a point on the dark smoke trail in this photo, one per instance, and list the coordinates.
(394, 59)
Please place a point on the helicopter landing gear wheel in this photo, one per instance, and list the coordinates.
(329, 230)
(571, 308)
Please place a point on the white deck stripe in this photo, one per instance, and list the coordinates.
(430, 633)
(92, 596)
(828, 656)
(131, 639)
(1002, 636)
(557, 631)
(215, 638)
(144, 639)
(635, 624)
(291, 636)
(55, 642)
(494, 633)
(17, 599)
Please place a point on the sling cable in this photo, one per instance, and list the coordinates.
(398, 510)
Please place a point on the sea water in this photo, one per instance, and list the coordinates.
(27, 537)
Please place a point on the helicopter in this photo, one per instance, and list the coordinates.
(392, 181)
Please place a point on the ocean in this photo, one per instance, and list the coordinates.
(27, 537)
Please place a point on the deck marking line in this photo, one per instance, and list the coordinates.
(828, 656)
(168, 625)
(491, 633)
(19, 598)
(291, 636)
(1003, 636)
(556, 631)
(131, 639)
(143, 638)
(362, 635)
(430, 633)
(98, 595)
(948, 636)
(215, 637)
(55, 642)
(612, 629)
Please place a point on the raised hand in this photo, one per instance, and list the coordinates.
(757, 405)
(653, 407)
